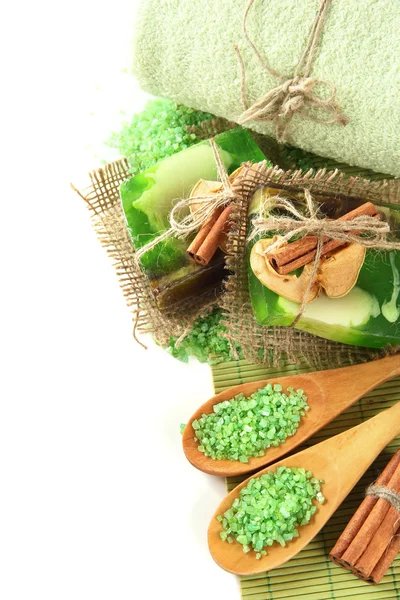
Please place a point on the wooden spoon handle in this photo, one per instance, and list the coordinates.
(358, 447)
(346, 385)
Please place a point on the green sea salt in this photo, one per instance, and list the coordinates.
(243, 427)
(163, 128)
(206, 341)
(270, 509)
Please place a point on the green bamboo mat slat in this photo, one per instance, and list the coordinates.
(311, 575)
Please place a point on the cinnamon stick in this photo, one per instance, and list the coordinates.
(212, 238)
(376, 549)
(385, 561)
(299, 253)
(203, 233)
(368, 545)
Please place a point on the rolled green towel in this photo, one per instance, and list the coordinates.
(184, 51)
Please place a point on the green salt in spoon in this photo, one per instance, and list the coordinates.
(339, 461)
(328, 394)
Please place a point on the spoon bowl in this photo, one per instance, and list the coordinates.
(328, 393)
(340, 461)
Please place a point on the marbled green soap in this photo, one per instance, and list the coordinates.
(147, 200)
(369, 315)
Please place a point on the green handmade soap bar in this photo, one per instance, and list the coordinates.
(147, 200)
(368, 315)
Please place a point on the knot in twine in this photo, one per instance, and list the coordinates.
(293, 95)
(183, 224)
(364, 230)
(381, 491)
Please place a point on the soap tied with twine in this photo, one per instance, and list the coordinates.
(191, 214)
(295, 94)
(212, 235)
(364, 230)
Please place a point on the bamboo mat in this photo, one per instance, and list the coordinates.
(311, 575)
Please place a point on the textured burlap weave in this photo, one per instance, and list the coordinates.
(103, 201)
(268, 345)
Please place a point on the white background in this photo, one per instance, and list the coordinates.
(96, 498)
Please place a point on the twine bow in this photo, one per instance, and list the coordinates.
(295, 94)
(364, 230)
(381, 491)
(183, 224)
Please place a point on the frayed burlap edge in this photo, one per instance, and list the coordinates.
(272, 345)
(103, 201)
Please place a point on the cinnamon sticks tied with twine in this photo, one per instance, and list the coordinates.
(210, 236)
(371, 540)
(209, 210)
(213, 232)
(297, 254)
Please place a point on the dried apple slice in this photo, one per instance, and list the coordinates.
(339, 272)
(291, 287)
(336, 275)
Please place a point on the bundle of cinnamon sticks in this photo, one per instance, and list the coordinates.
(210, 237)
(371, 540)
(297, 254)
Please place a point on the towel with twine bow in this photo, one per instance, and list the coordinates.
(363, 230)
(295, 94)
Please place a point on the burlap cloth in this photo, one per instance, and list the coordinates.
(268, 345)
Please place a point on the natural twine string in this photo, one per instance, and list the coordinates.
(381, 491)
(294, 94)
(364, 230)
(313, 223)
(206, 205)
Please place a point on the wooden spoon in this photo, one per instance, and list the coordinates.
(340, 461)
(328, 393)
